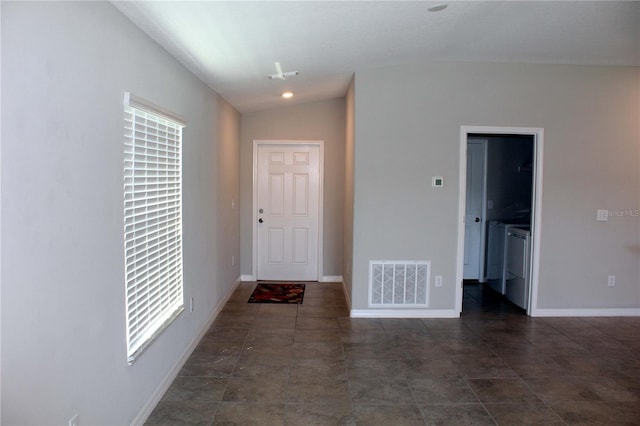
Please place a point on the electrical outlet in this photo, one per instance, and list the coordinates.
(438, 280)
(611, 280)
(73, 421)
(191, 304)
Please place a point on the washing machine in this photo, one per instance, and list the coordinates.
(518, 255)
(497, 253)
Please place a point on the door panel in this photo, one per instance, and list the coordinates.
(276, 246)
(300, 245)
(276, 195)
(288, 195)
(474, 215)
(301, 195)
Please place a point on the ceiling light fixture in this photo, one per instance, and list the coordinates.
(287, 95)
(437, 7)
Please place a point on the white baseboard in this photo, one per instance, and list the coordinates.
(589, 312)
(146, 411)
(331, 279)
(323, 279)
(404, 313)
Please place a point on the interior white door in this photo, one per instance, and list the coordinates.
(474, 214)
(288, 186)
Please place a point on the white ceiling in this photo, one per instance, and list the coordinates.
(232, 45)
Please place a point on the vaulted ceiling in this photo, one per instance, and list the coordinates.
(232, 45)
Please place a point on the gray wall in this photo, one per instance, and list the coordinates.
(348, 189)
(313, 121)
(227, 167)
(65, 67)
(407, 127)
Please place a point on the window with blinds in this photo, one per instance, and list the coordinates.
(152, 221)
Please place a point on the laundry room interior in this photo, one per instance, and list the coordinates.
(504, 199)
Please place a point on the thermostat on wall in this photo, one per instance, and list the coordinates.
(437, 181)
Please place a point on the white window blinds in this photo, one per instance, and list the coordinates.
(153, 222)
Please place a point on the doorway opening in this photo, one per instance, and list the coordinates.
(499, 228)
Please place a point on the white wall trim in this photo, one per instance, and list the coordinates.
(147, 409)
(323, 279)
(254, 208)
(404, 313)
(331, 279)
(536, 222)
(588, 312)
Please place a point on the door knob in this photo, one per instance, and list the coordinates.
(260, 220)
(477, 219)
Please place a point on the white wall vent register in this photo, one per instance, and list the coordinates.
(399, 283)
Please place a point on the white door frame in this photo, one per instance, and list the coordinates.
(536, 223)
(254, 207)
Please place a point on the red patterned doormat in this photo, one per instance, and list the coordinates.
(277, 293)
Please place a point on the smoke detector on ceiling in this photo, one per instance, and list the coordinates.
(437, 7)
(279, 75)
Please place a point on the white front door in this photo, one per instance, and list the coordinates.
(287, 211)
(474, 210)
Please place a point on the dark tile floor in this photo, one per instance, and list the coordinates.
(310, 364)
